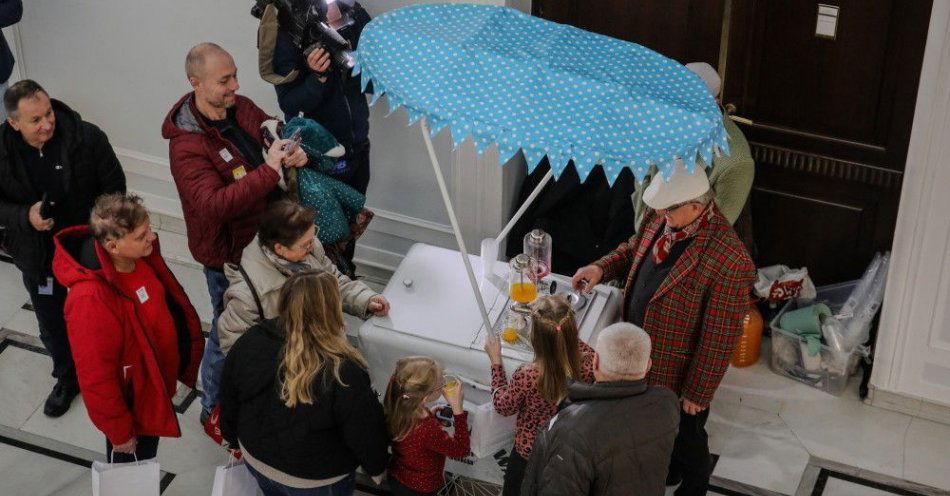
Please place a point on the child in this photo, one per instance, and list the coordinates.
(536, 388)
(420, 446)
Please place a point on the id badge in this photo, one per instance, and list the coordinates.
(46, 289)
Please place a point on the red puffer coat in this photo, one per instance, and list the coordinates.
(119, 376)
(221, 193)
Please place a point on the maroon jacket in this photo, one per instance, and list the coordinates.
(118, 369)
(695, 317)
(220, 211)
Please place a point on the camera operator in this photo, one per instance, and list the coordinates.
(326, 92)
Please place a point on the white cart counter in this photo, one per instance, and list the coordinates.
(434, 313)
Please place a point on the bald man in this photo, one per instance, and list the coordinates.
(224, 177)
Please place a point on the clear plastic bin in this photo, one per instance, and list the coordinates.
(788, 358)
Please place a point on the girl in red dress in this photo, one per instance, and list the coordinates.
(420, 445)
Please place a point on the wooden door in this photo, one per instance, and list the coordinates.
(828, 119)
(830, 125)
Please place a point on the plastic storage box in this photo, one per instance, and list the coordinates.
(788, 358)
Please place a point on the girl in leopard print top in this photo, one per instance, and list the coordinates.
(536, 388)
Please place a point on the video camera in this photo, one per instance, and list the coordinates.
(309, 28)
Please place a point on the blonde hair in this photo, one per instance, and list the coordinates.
(414, 379)
(311, 316)
(554, 339)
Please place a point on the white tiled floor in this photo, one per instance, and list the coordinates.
(765, 428)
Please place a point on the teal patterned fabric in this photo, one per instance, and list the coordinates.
(335, 202)
(505, 77)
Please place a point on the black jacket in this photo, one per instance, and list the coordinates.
(342, 429)
(586, 219)
(90, 169)
(10, 13)
(337, 104)
(614, 438)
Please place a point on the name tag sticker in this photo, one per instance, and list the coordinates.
(142, 294)
(226, 155)
(238, 172)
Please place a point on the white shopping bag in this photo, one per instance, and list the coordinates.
(140, 478)
(234, 479)
(490, 430)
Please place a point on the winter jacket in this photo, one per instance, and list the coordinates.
(10, 13)
(730, 177)
(220, 205)
(119, 376)
(240, 310)
(613, 439)
(695, 317)
(90, 169)
(338, 104)
(342, 429)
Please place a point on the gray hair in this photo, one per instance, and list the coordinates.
(26, 88)
(195, 60)
(706, 197)
(623, 350)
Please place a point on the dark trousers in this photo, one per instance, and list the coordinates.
(49, 316)
(514, 474)
(357, 177)
(146, 449)
(345, 487)
(397, 488)
(690, 458)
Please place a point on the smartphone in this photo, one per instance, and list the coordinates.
(295, 140)
(445, 415)
(45, 206)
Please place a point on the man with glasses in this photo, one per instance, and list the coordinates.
(688, 278)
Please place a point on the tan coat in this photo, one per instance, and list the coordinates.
(240, 311)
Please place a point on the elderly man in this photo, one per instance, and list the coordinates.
(615, 436)
(48, 152)
(731, 175)
(223, 177)
(688, 279)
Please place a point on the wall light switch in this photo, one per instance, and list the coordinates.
(827, 24)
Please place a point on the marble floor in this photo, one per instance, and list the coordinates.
(770, 435)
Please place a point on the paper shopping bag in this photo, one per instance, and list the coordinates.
(122, 479)
(490, 430)
(234, 479)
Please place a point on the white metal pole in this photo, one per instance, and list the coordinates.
(524, 206)
(455, 225)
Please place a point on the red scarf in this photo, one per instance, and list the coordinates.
(661, 249)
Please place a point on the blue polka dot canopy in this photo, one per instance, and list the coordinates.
(501, 76)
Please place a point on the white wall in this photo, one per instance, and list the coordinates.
(120, 64)
(913, 346)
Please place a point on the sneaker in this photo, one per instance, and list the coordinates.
(58, 401)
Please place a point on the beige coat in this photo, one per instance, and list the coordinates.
(240, 311)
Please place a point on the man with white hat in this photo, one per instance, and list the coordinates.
(730, 176)
(688, 280)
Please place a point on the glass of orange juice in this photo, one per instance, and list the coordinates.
(451, 384)
(522, 289)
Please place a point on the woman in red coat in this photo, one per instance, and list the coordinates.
(134, 332)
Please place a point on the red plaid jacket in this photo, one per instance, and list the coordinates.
(695, 317)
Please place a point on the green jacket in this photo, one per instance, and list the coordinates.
(730, 177)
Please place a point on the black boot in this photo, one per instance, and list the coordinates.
(58, 401)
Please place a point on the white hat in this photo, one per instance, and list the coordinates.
(682, 187)
(709, 75)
